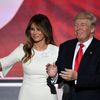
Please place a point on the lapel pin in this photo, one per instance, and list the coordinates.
(90, 52)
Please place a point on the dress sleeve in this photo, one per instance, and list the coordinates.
(14, 57)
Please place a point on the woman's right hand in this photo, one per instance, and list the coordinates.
(51, 69)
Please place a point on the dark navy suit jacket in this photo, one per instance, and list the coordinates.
(88, 81)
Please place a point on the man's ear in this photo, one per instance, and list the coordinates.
(92, 29)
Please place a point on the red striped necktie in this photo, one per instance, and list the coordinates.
(78, 57)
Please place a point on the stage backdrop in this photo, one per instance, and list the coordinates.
(15, 14)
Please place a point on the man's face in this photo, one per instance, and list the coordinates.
(83, 29)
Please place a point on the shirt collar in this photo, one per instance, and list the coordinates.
(86, 43)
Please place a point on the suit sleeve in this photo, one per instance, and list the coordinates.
(59, 62)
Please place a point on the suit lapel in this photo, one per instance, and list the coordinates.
(88, 55)
(71, 53)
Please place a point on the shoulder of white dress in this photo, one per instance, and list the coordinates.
(20, 48)
(21, 44)
(53, 47)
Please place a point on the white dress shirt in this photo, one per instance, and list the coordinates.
(86, 44)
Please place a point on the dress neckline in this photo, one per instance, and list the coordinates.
(42, 50)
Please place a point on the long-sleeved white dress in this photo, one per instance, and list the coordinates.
(34, 85)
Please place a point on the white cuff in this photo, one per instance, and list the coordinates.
(54, 80)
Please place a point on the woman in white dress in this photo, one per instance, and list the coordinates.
(38, 51)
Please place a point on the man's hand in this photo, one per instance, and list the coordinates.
(69, 74)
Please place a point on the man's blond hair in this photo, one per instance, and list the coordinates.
(86, 15)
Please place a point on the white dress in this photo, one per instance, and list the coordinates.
(34, 85)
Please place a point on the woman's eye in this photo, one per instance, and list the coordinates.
(38, 29)
(32, 29)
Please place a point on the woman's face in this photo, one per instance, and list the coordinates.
(36, 34)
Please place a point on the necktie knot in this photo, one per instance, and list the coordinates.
(81, 45)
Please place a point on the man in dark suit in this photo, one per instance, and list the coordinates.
(83, 83)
